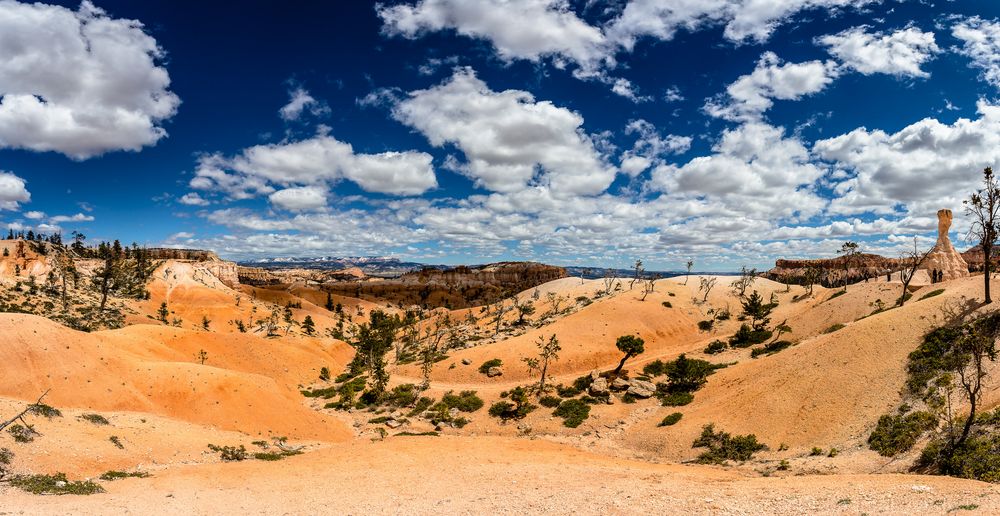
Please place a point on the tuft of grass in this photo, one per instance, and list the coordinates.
(230, 453)
(418, 434)
(273, 456)
(113, 475)
(932, 293)
(834, 328)
(676, 399)
(816, 451)
(96, 419)
(115, 440)
(56, 484)
(671, 419)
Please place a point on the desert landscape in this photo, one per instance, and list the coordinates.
(191, 391)
(581, 257)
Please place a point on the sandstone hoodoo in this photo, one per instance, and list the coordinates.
(944, 259)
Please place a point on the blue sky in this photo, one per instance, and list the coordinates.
(463, 131)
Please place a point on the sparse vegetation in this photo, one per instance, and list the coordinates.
(931, 294)
(671, 419)
(55, 484)
(110, 476)
(715, 347)
(493, 362)
(833, 328)
(722, 446)
(896, 434)
(466, 401)
(517, 408)
(550, 401)
(573, 412)
(96, 419)
(230, 453)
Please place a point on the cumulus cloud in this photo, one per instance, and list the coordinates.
(299, 102)
(900, 53)
(981, 43)
(744, 20)
(751, 95)
(517, 29)
(193, 199)
(925, 166)
(79, 217)
(79, 82)
(34, 215)
(650, 147)
(510, 140)
(755, 172)
(315, 162)
(300, 198)
(13, 191)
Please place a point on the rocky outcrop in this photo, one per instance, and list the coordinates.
(943, 258)
(256, 276)
(832, 270)
(225, 271)
(197, 255)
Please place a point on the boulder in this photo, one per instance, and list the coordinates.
(494, 372)
(599, 387)
(392, 423)
(641, 389)
(466, 361)
(620, 384)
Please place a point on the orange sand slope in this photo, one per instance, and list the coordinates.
(248, 383)
(446, 475)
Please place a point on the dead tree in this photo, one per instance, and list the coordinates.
(912, 260)
(983, 206)
(20, 416)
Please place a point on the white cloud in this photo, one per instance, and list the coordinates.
(981, 43)
(509, 139)
(923, 167)
(321, 160)
(744, 20)
(751, 95)
(299, 100)
(518, 29)
(193, 199)
(672, 94)
(12, 191)
(755, 172)
(79, 82)
(180, 235)
(79, 217)
(901, 53)
(34, 215)
(624, 88)
(300, 198)
(650, 147)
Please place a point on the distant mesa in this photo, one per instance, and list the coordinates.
(943, 258)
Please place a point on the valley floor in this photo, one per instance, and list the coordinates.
(489, 475)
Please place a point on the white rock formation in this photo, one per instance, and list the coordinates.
(944, 257)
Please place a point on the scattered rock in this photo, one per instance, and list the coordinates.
(594, 375)
(641, 389)
(494, 372)
(392, 423)
(620, 384)
(466, 361)
(599, 387)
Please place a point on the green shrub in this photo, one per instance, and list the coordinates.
(770, 348)
(22, 433)
(687, 374)
(583, 383)
(230, 453)
(115, 440)
(550, 401)
(44, 410)
(722, 446)
(667, 304)
(746, 337)
(573, 412)
(466, 401)
(896, 434)
(417, 434)
(275, 456)
(834, 328)
(118, 475)
(706, 325)
(495, 362)
(671, 419)
(655, 368)
(716, 346)
(567, 392)
(978, 458)
(403, 395)
(423, 404)
(816, 452)
(96, 419)
(517, 408)
(56, 484)
(324, 374)
(675, 399)
(932, 293)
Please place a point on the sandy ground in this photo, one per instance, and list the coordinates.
(826, 391)
(442, 475)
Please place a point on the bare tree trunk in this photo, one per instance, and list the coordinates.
(987, 251)
(20, 416)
